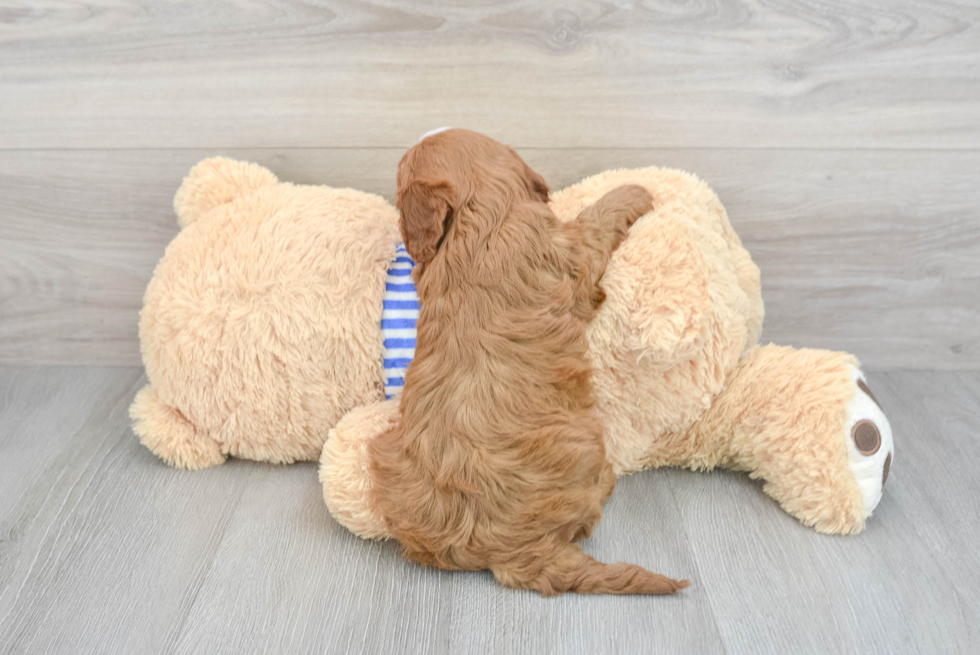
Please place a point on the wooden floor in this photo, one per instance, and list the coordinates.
(842, 136)
(104, 549)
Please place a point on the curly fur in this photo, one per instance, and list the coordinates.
(498, 461)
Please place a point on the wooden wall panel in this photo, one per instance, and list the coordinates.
(661, 73)
(875, 252)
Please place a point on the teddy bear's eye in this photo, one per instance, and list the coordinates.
(866, 437)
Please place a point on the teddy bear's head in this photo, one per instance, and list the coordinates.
(260, 327)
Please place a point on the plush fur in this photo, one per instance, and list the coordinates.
(255, 327)
(497, 459)
(679, 377)
(261, 336)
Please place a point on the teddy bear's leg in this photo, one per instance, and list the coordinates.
(870, 443)
(170, 436)
(344, 468)
(806, 422)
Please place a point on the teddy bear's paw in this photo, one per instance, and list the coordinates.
(170, 436)
(869, 442)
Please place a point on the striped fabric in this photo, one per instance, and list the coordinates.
(398, 319)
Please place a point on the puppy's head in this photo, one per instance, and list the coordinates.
(450, 171)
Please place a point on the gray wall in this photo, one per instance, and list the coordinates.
(844, 141)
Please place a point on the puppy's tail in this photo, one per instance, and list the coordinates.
(567, 568)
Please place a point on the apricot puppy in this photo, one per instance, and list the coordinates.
(498, 460)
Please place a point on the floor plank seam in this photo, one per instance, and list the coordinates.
(123, 398)
(697, 565)
(177, 631)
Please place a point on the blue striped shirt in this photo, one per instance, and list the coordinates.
(399, 317)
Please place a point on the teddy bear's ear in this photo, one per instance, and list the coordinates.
(216, 181)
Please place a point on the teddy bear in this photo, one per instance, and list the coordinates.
(262, 337)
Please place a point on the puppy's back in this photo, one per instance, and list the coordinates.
(498, 461)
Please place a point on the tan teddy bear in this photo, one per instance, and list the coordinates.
(261, 335)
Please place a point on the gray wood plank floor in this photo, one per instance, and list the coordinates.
(105, 549)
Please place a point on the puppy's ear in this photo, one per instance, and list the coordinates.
(424, 206)
(536, 185)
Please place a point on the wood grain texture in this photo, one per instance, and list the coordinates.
(662, 73)
(105, 549)
(295, 581)
(939, 464)
(843, 137)
(901, 586)
(874, 252)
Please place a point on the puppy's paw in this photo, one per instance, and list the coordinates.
(632, 200)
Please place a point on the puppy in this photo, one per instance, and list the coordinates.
(498, 460)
